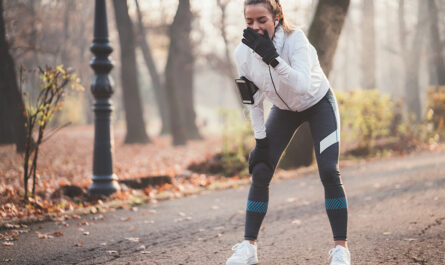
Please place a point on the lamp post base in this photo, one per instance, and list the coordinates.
(104, 185)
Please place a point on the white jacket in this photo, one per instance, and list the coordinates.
(298, 77)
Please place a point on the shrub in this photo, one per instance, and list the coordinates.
(365, 115)
(39, 113)
(436, 108)
(237, 142)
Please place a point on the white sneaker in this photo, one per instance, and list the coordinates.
(340, 256)
(245, 254)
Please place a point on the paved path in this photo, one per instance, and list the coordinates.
(396, 216)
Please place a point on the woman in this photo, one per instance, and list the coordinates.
(284, 66)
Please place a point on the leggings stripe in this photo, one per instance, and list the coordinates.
(257, 207)
(336, 203)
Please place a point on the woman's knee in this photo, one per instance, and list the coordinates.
(262, 174)
(330, 175)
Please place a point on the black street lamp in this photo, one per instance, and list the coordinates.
(104, 180)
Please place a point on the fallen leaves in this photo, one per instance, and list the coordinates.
(43, 235)
(58, 234)
(83, 223)
(58, 168)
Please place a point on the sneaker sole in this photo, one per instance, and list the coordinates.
(249, 262)
(252, 261)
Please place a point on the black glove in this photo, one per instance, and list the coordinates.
(262, 45)
(260, 154)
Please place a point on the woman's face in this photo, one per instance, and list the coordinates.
(258, 17)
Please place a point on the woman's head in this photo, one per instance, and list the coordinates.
(265, 14)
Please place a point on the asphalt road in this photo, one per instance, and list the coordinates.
(396, 216)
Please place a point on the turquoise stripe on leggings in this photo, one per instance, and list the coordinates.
(336, 203)
(257, 207)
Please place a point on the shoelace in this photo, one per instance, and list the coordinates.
(235, 247)
(239, 249)
(334, 257)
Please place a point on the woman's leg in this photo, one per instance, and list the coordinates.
(280, 127)
(324, 122)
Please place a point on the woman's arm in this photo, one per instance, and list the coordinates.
(257, 108)
(297, 74)
(257, 115)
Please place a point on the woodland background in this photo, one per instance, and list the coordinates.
(388, 73)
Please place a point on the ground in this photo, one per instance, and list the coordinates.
(396, 216)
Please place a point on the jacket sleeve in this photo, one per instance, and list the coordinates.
(257, 109)
(297, 74)
(257, 115)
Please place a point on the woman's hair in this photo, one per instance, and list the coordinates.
(276, 10)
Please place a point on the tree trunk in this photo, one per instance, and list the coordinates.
(368, 46)
(129, 76)
(325, 30)
(412, 93)
(64, 51)
(173, 82)
(186, 60)
(34, 82)
(12, 109)
(324, 33)
(228, 68)
(161, 97)
(437, 62)
(179, 77)
(402, 28)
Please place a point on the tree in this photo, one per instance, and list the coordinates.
(324, 33)
(158, 87)
(437, 62)
(55, 32)
(368, 57)
(129, 76)
(184, 57)
(226, 65)
(411, 60)
(179, 77)
(12, 110)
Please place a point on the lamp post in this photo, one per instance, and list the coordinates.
(104, 180)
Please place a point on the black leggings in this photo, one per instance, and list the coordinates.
(324, 123)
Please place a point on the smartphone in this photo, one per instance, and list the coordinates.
(247, 89)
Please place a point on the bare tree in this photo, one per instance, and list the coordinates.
(173, 82)
(226, 64)
(12, 110)
(40, 33)
(129, 76)
(368, 52)
(186, 58)
(179, 77)
(412, 58)
(437, 62)
(158, 87)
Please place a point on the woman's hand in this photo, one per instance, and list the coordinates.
(260, 154)
(262, 45)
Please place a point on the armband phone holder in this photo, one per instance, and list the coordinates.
(247, 89)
